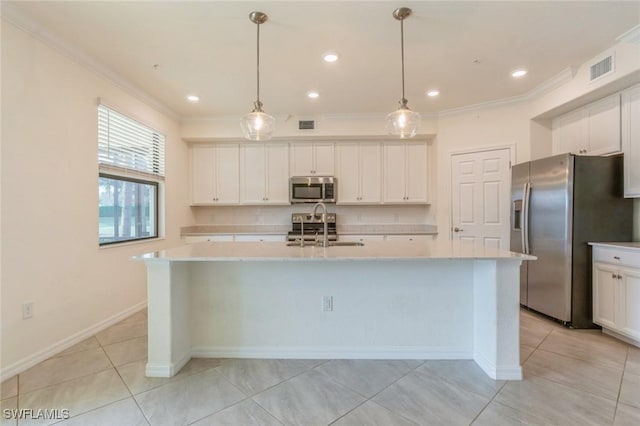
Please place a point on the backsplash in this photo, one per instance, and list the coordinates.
(281, 215)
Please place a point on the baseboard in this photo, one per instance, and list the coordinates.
(497, 372)
(280, 352)
(56, 348)
(166, 370)
(622, 337)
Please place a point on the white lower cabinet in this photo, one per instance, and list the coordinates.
(190, 239)
(616, 290)
(409, 237)
(268, 237)
(361, 238)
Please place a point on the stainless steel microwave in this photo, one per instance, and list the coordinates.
(312, 189)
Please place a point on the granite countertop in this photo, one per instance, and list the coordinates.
(375, 250)
(386, 229)
(624, 245)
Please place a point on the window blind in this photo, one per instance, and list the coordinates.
(129, 146)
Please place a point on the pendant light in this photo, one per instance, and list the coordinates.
(257, 125)
(403, 122)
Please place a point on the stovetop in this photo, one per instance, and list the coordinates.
(311, 226)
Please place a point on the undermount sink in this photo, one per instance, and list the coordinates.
(331, 244)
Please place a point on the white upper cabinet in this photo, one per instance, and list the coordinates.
(405, 173)
(264, 173)
(312, 158)
(215, 174)
(631, 140)
(591, 130)
(359, 172)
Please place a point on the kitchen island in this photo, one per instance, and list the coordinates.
(384, 300)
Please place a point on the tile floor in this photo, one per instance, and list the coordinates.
(579, 377)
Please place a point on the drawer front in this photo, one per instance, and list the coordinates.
(617, 256)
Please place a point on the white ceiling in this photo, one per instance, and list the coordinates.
(208, 48)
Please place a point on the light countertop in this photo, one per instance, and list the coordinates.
(374, 250)
(381, 229)
(624, 245)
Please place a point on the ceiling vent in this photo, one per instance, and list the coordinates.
(306, 124)
(601, 68)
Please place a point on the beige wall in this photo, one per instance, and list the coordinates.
(50, 201)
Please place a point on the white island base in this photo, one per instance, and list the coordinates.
(390, 300)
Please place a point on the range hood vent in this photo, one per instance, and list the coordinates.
(601, 68)
(306, 124)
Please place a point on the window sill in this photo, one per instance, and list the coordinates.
(131, 243)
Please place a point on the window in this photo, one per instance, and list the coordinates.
(131, 164)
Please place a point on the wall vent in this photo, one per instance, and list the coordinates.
(601, 68)
(306, 124)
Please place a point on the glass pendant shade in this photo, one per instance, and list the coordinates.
(258, 126)
(403, 123)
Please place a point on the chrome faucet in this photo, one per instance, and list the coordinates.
(325, 239)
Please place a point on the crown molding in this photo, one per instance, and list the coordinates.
(11, 14)
(553, 83)
(631, 36)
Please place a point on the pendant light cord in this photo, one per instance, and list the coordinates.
(258, 104)
(403, 101)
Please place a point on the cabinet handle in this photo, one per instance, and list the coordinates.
(619, 277)
(616, 257)
(614, 276)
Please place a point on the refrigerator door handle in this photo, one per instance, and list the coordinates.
(526, 191)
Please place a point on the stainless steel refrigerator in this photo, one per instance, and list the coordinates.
(558, 205)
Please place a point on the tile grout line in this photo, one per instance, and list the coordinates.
(367, 399)
(624, 370)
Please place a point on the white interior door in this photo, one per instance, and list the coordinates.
(480, 197)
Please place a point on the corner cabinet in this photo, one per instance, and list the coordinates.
(215, 172)
(405, 173)
(591, 130)
(312, 158)
(616, 290)
(631, 140)
(359, 172)
(264, 173)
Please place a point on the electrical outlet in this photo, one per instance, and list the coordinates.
(27, 310)
(396, 217)
(359, 217)
(327, 303)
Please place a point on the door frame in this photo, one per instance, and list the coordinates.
(512, 160)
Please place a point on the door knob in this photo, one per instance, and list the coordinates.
(456, 229)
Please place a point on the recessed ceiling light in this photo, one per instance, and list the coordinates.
(330, 57)
(433, 92)
(193, 98)
(518, 73)
(313, 94)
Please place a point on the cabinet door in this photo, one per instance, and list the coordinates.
(394, 172)
(324, 159)
(301, 159)
(604, 295)
(277, 173)
(569, 133)
(227, 173)
(604, 126)
(631, 140)
(409, 237)
(253, 174)
(629, 318)
(416, 177)
(202, 174)
(348, 173)
(370, 164)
